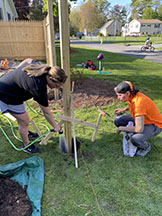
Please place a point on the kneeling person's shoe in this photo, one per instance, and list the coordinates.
(31, 149)
(142, 152)
(32, 136)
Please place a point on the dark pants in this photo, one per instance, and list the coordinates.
(138, 139)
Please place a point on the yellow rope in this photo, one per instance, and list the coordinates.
(90, 181)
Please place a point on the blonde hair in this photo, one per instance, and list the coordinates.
(57, 74)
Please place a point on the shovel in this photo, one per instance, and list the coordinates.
(62, 143)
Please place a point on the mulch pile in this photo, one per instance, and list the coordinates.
(89, 93)
(13, 199)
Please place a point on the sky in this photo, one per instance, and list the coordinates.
(114, 2)
(120, 2)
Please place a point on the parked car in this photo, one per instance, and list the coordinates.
(57, 36)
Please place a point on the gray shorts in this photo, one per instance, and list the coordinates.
(15, 109)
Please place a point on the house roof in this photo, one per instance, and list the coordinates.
(107, 24)
(149, 21)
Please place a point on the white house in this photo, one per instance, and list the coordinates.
(125, 30)
(7, 10)
(111, 28)
(144, 26)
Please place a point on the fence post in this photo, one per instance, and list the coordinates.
(50, 29)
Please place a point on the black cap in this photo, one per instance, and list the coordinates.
(123, 87)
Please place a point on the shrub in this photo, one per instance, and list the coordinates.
(100, 34)
(77, 74)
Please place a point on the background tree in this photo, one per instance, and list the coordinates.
(139, 7)
(74, 20)
(102, 8)
(22, 8)
(36, 10)
(159, 11)
(55, 12)
(149, 13)
(115, 13)
(88, 17)
(124, 16)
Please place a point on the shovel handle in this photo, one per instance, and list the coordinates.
(53, 130)
(60, 132)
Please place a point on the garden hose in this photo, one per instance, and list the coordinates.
(33, 110)
(12, 130)
(20, 149)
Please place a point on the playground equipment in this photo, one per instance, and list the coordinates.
(103, 72)
(99, 58)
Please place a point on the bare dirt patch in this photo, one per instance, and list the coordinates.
(90, 93)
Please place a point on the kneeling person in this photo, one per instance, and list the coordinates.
(145, 115)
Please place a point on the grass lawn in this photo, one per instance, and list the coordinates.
(106, 182)
(125, 40)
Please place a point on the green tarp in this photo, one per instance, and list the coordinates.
(28, 172)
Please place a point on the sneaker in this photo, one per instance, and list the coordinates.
(32, 136)
(31, 149)
(142, 152)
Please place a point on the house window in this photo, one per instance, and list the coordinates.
(9, 16)
(148, 25)
(142, 25)
(157, 25)
(137, 26)
(1, 14)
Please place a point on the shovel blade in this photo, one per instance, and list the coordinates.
(63, 144)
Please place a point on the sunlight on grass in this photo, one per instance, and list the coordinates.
(123, 186)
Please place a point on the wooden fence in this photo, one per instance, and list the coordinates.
(22, 39)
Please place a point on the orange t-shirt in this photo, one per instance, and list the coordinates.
(143, 105)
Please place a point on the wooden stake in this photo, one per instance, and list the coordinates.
(97, 125)
(35, 127)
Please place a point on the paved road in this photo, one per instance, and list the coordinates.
(132, 50)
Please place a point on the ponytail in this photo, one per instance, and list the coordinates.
(35, 70)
